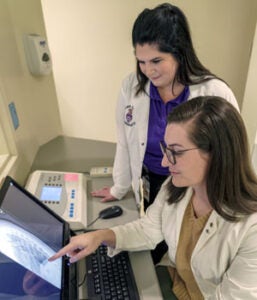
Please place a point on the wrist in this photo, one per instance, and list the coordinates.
(107, 237)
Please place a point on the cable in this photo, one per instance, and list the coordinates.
(85, 229)
(79, 230)
(83, 280)
(90, 224)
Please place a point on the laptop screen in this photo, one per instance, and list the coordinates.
(29, 234)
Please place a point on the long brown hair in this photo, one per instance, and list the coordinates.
(216, 127)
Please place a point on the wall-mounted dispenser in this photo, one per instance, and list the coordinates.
(37, 54)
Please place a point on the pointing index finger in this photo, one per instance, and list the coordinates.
(61, 252)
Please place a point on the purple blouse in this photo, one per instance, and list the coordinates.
(156, 128)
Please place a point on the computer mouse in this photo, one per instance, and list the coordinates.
(110, 212)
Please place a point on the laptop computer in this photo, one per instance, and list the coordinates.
(30, 233)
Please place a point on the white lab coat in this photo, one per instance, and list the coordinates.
(224, 260)
(132, 133)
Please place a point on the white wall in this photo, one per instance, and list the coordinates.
(91, 47)
(249, 108)
(35, 98)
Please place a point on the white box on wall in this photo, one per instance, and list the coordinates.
(37, 54)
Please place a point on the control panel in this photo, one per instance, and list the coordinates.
(63, 192)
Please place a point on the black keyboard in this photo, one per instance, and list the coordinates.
(110, 278)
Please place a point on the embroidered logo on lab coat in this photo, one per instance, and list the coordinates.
(129, 115)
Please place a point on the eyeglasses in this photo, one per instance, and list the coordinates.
(172, 154)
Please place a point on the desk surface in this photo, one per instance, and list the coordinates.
(128, 205)
(73, 155)
(79, 155)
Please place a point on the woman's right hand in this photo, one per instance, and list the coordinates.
(84, 244)
(104, 193)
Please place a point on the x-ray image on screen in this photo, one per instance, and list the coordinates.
(30, 252)
(30, 233)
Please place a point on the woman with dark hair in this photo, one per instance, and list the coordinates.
(167, 28)
(168, 74)
(206, 211)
